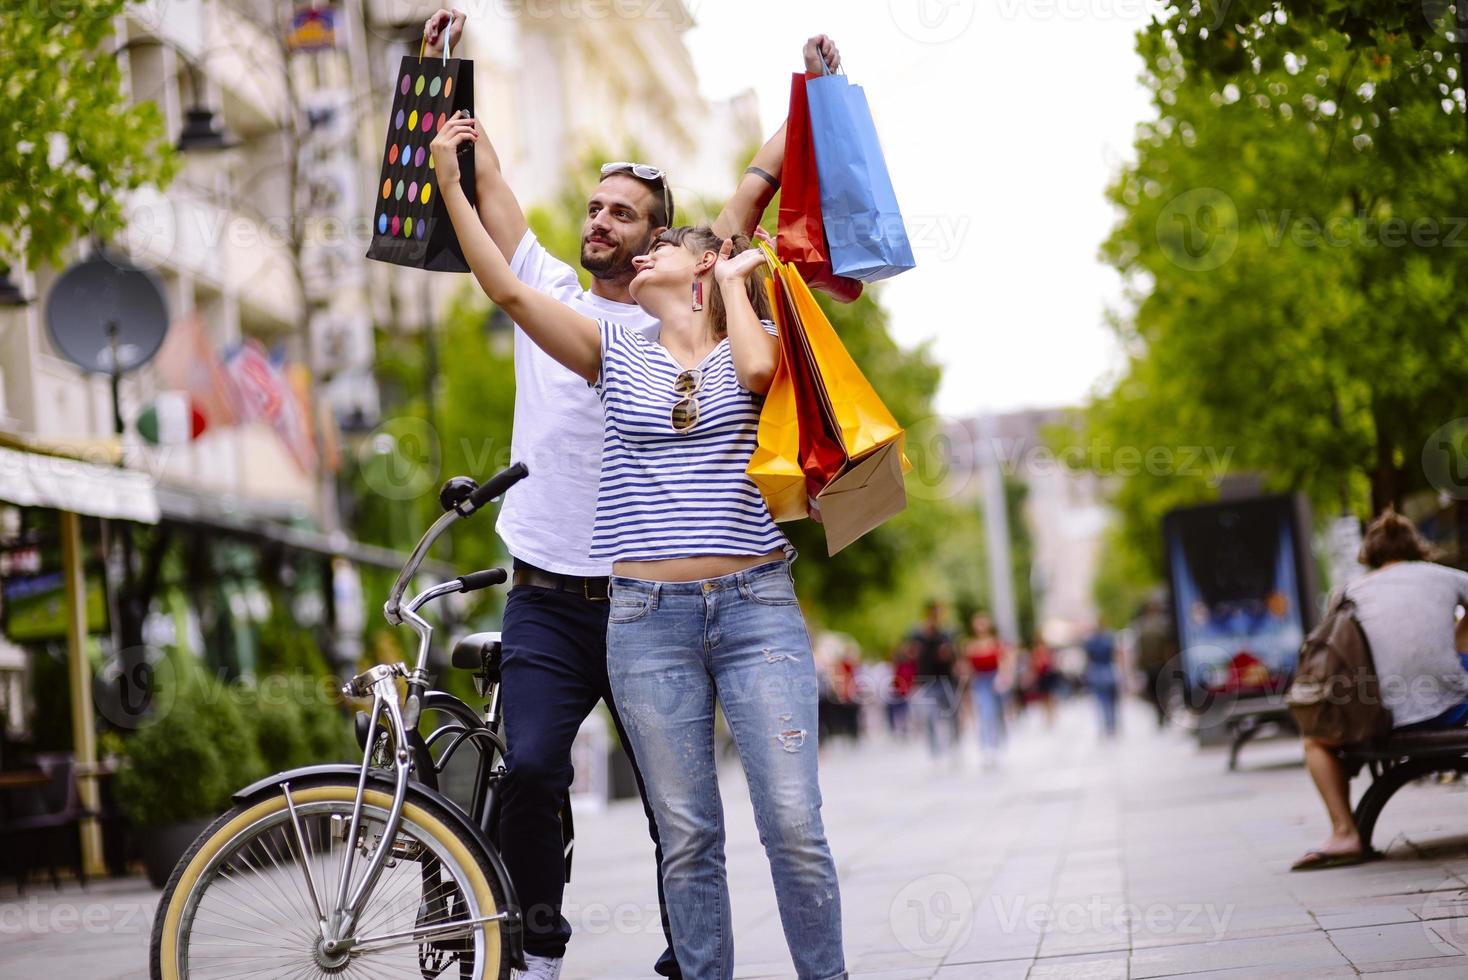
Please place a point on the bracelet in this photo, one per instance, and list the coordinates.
(763, 175)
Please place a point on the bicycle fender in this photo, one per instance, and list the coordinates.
(351, 773)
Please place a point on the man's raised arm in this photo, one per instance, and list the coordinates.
(758, 183)
(499, 209)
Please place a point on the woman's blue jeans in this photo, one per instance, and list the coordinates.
(989, 710)
(673, 649)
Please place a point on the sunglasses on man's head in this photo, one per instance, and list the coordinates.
(643, 171)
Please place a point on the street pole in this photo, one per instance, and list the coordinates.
(79, 678)
(996, 532)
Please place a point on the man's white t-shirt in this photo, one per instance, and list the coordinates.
(546, 518)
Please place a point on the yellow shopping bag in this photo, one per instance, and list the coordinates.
(865, 422)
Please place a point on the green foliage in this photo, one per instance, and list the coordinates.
(284, 645)
(1288, 237)
(1227, 37)
(185, 763)
(70, 144)
(298, 722)
(209, 738)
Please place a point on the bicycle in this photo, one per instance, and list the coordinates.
(344, 870)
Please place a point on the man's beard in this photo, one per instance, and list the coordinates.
(616, 264)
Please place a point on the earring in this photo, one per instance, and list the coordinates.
(697, 295)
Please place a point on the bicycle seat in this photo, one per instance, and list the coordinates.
(478, 652)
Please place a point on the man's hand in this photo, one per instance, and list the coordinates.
(433, 31)
(817, 48)
(445, 147)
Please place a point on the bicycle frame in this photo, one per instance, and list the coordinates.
(401, 716)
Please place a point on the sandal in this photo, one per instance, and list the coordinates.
(1316, 860)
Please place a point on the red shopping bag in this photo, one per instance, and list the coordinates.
(821, 454)
(801, 235)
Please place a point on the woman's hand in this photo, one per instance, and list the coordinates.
(733, 270)
(458, 130)
(819, 47)
(433, 30)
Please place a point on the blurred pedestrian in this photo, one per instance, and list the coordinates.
(988, 660)
(935, 694)
(899, 693)
(1101, 675)
(1040, 679)
(1156, 644)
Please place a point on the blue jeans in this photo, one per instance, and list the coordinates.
(672, 650)
(989, 710)
(1102, 679)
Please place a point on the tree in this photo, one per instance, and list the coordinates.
(1288, 241)
(71, 145)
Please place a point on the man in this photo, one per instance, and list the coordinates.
(1155, 648)
(555, 623)
(931, 649)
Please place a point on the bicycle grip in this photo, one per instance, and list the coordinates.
(496, 485)
(475, 581)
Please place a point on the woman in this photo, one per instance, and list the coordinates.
(988, 659)
(1406, 606)
(703, 604)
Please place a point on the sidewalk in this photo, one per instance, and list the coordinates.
(1142, 858)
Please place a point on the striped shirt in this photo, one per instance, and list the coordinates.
(668, 494)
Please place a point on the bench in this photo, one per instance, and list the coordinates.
(1248, 719)
(1397, 760)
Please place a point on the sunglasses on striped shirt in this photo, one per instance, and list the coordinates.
(685, 411)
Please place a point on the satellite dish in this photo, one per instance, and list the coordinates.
(107, 316)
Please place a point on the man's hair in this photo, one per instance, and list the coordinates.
(1393, 537)
(702, 239)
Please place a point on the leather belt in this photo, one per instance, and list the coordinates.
(592, 588)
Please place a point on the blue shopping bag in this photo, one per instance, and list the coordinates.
(864, 229)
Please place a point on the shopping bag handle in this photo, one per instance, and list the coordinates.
(825, 68)
(768, 247)
(447, 36)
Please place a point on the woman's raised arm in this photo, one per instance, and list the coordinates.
(571, 338)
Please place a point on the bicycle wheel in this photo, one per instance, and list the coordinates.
(239, 904)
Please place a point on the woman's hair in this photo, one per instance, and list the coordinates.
(1392, 537)
(701, 238)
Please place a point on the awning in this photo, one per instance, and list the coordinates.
(61, 483)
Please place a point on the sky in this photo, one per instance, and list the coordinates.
(1002, 122)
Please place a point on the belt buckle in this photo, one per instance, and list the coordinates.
(586, 591)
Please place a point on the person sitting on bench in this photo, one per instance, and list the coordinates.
(1407, 607)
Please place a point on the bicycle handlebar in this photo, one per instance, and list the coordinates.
(475, 581)
(494, 487)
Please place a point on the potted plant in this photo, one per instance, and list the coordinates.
(179, 770)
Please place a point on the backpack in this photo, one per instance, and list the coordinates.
(1336, 695)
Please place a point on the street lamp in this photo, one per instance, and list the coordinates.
(200, 133)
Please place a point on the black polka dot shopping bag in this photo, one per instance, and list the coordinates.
(410, 224)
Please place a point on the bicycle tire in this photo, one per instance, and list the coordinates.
(418, 811)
